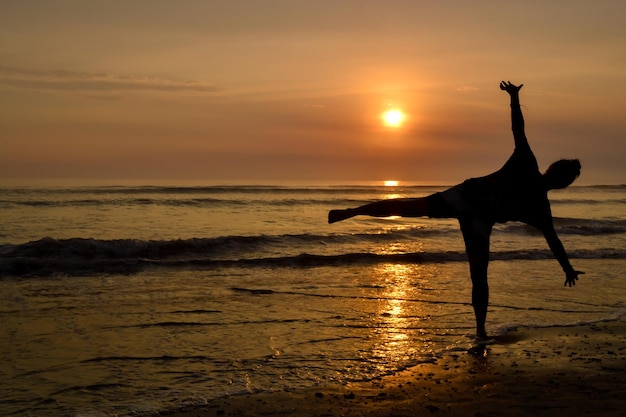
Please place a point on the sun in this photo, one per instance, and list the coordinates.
(393, 118)
(391, 183)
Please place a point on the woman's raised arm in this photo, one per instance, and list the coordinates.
(517, 119)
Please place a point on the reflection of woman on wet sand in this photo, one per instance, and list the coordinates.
(516, 192)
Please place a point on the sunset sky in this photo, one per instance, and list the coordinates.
(294, 90)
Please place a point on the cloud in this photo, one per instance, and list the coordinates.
(467, 89)
(96, 83)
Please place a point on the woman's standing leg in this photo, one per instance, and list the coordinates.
(476, 235)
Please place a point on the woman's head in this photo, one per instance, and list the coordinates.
(561, 173)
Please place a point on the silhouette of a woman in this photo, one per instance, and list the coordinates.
(516, 192)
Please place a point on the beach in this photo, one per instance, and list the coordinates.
(568, 371)
(128, 300)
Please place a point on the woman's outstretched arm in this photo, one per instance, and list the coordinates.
(571, 275)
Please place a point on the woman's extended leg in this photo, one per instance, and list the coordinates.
(405, 207)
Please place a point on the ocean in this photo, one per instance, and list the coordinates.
(119, 300)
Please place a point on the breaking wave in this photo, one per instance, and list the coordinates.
(76, 256)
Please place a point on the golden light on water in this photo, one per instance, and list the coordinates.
(394, 340)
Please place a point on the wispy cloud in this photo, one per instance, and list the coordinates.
(466, 89)
(96, 83)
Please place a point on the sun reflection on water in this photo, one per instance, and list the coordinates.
(396, 320)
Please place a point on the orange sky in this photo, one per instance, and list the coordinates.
(293, 90)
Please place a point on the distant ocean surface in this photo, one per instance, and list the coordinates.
(125, 300)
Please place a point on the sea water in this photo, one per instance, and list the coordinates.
(132, 299)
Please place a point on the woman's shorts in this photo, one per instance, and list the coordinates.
(448, 204)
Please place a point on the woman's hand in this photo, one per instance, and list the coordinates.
(571, 277)
(510, 88)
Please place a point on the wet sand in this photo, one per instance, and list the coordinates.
(566, 371)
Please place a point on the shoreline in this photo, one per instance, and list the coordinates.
(573, 371)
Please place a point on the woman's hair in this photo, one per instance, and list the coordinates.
(561, 173)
